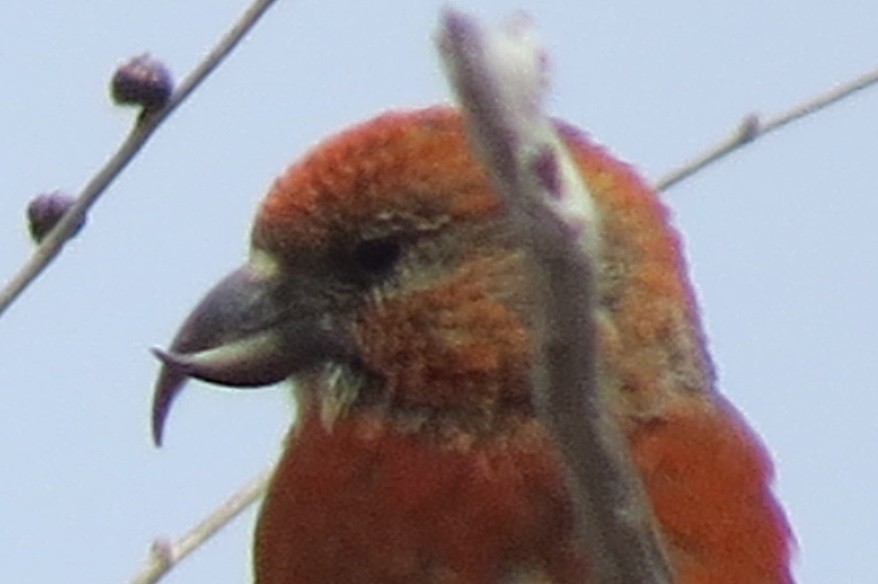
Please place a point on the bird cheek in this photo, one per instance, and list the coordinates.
(435, 350)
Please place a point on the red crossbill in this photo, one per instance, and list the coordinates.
(384, 279)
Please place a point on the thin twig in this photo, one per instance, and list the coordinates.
(164, 555)
(500, 80)
(54, 242)
(752, 128)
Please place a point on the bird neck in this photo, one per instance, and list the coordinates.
(443, 407)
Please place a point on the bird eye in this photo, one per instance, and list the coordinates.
(376, 256)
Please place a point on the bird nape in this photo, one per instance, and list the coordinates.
(385, 281)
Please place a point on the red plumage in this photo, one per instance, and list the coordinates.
(386, 282)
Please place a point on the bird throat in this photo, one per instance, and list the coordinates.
(345, 391)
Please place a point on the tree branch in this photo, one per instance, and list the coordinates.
(54, 242)
(164, 555)
(500, 78)
(752, 128)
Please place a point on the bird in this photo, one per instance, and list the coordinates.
(384, 279)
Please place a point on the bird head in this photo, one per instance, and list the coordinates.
(383, 273)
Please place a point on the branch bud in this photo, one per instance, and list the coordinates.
(142, 81)
(46, 210)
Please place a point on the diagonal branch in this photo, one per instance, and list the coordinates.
(54, 242)
(752, 128)
(164, 555)
(499, 76)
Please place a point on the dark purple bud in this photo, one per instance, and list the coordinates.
(750, 128)
(46, 210)
(143, 81)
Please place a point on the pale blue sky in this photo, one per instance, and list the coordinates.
(781, 238)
